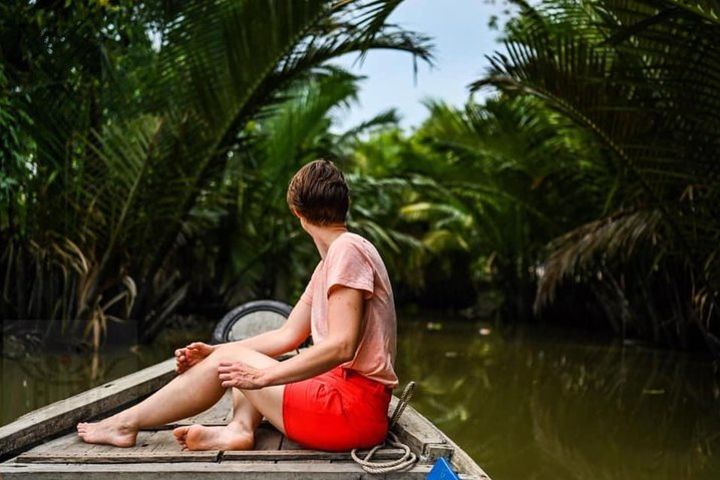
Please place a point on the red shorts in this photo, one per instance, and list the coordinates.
(336, 411)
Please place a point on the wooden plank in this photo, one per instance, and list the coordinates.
(267, 437)
(151, 447)
(300, 462)
(288, 444)
(120, 457)
(164, 448)
(305, 455)
(67, 442)
(65, 414)
(214, 471)
(433, 451)
(412, 472)
(422, 436)
(418, 433)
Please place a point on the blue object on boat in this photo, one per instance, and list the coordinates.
(442, 471)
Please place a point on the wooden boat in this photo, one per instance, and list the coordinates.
(43, 445)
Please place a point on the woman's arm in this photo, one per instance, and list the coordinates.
(345, 316)
(293, 332)
(272, 343)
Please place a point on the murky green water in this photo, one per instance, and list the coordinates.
(527, 405)
(45, 377)
(534, 406)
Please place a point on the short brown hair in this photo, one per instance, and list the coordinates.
(318, 192)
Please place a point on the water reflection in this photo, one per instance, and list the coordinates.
(35, 380)
(529, 406)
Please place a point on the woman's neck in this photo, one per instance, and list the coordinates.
(324, 235)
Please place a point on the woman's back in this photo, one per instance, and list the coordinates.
(352, 261)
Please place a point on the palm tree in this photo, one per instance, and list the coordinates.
(259, 253)
(642, 77)
(116, 194)
(485, 188)
(514, 167)
(255, 248)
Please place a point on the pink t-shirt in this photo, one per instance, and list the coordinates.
(354, 262)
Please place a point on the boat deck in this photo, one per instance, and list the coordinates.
(157, 455)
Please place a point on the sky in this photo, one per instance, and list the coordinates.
(461, 36)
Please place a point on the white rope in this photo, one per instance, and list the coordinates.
(407, 459)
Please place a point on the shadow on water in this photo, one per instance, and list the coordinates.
(526, 405)
(533, 406)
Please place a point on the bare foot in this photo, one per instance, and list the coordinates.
(181, 436)
(229, 437)
(110, 431)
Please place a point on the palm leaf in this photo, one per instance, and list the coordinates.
(643, 77)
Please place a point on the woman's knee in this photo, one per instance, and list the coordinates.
(230, 353)
(237, 353)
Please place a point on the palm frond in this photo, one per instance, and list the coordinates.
(643, 77)
(583, 248)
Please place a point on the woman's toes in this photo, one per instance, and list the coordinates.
(180, 434)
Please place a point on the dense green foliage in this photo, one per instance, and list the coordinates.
(642, 78)
(495, 182)
(146, 149)
(590, 187)
(124, 119)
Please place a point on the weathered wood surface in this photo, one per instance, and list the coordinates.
(267, 437)
(63, 415)
(215, 471)
(151, 447)
(422, 436)
(309, 455)
(159, 446)
(288, 444)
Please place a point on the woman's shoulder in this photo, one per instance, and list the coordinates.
(354, 241)
(352, 237)
(350, 245)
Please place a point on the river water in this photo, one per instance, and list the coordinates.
(526, 403)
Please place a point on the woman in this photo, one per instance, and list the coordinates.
(334, 395)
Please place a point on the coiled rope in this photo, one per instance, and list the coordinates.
(407, 459)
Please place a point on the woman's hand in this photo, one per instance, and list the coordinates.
(191, 355)
(241, 375)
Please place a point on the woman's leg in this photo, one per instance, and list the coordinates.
(238, 434)
(249, 407)
(190, 393)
